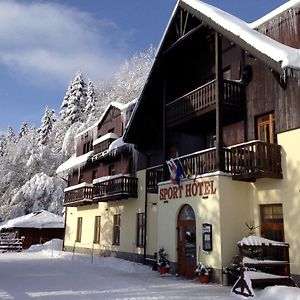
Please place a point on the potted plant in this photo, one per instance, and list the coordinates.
(203, 272)
(163, 262)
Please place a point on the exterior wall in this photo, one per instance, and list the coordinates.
(128, 208)
(286, 192)
(205, 209)
(234, 212)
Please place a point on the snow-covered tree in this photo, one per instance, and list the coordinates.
(23, 129)
(74, 101)
(47, 124)
(91, 99)
(3, 144)
(11, 134)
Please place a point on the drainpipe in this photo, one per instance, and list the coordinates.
(146, 205)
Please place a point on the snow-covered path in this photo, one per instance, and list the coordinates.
(46, 274)
(38, 276)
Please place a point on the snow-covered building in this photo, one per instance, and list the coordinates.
(219, 112)
(102, 186)
(37, 227)
(222, 100)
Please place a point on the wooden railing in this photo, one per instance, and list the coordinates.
(103, 146)
(83, 194)
(120, 187)
(154, 176)
(203, 97)
(255, 157)
(246, 161)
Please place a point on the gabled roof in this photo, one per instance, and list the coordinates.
(277, 55)
(276, 12)
(281, 58)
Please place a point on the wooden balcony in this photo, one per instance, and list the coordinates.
(246, 162)
(255, 159)
(118, 188)
(202, 100)
(79, 196)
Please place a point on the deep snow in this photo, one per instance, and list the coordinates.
(45, 273)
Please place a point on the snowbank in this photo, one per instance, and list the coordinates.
(55, 244)
(280, 293)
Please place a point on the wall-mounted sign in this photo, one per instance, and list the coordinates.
(207, 237)
(198, 188)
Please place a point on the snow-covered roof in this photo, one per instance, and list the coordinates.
(104, 178)
(275, 54)
(276, 12)
(74, 161)
(107, 136)
(77, 186)
(116, 144)
(40, 219)
(253, 240)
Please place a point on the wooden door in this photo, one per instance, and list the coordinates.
(186, 242)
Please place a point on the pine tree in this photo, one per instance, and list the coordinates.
(75, 100)
(64, 104)
(23, 130)
(11, 134)
(91, 99)
(47, 124)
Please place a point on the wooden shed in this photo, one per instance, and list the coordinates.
(38, 227)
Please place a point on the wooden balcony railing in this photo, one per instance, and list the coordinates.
(203, 97)
(103, 146)
(154, 176)
(116, 188)
(248, 161)
(79, 196)
(253, 160)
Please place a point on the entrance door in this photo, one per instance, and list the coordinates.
(186, 242)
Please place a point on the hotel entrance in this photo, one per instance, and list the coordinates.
(186, 242)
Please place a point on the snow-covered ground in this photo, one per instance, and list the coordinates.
(45, 273)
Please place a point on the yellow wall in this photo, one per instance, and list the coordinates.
(285, 191)
(234, 212)
(206, 210)
(128, 208)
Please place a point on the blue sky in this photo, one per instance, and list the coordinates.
(44, 43)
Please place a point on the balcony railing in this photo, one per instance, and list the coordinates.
(116, 188)
(79, 196)
(254, 159)
(248, 161)
(203, 98)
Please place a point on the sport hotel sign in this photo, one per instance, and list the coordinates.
(194, 189)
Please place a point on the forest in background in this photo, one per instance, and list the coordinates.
(30, 157)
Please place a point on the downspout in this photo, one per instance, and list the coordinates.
(146, 210)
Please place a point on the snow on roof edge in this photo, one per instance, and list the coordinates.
(274, 13)
(277, 55)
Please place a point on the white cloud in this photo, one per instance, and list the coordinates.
(46, 41)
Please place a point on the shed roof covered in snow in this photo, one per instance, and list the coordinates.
(40, 219)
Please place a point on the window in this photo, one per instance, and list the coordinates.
(95, 174)
(266, 128)
(111, 130)
(272, 222)
(116, 229)
(79, 229)
(111, 170)
(97, 229)
(84, 148)
(140, 230)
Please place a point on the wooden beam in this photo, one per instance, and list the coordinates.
(219, 102)
(182, 38)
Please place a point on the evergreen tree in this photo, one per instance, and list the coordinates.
(11, 134)
(3, 144)
(91, 99)
(74, 104)
(64, 104)
(23, 129)
(47, 124)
